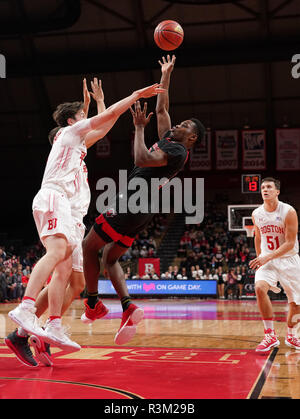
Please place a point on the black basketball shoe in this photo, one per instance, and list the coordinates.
(19, 345)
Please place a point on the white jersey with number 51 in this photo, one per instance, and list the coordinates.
(272, 228)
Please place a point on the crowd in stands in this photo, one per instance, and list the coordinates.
(16, 267)
(145, 244)
(229, 282)
(207, 251)
(15, 271)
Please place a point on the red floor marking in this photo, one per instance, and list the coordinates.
(126, 372)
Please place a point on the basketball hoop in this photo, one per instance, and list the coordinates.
(249, 230)
(239, 215)
(248, 226)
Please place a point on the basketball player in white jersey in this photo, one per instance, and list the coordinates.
(17, 340)
(276, 245)
(53, 215)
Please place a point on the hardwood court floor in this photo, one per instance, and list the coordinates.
(183, 349)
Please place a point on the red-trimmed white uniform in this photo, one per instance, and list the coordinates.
(79, 208)
(285, 269)
(52, 208)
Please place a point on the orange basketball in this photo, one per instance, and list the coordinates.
(168, 35)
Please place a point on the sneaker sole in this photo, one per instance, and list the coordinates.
(274, 345)
(87, 320)
(125, 334)
(41, 356)
(62, 345)
(137, 316)
(291, 345)
(12, 348)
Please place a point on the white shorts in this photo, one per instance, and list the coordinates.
(52, 215)
(77, 256)
(283, 270)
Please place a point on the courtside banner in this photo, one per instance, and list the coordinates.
(288, 149)
(164, 287)
(149, 266)
(254, 149)
(227, 150)
(200, 154)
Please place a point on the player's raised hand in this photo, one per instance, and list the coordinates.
(97, 91)
(139, 116)
(150, 91)
(167, 64)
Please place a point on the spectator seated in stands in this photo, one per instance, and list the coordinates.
(183, 274)
(209, 274)
(231, 287)
(128, 274)
(151, 275)
(4, 298)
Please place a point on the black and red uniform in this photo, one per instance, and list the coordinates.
(122, 228)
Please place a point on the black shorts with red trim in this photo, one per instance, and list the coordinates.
(121, 228)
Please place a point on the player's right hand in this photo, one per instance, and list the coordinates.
(167, 65)
(150, 91)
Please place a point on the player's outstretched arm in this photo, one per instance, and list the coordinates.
(142, 156)
(86, 99)
(162, 104)
(105, 121)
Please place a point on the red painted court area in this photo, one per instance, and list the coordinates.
(136, 373)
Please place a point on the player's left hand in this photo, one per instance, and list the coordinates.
(139, 115)
(97, 91)
(259, 261)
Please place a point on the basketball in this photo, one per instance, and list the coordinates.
(168, 35)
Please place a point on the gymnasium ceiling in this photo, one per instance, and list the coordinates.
(234, 60)
(233, 68)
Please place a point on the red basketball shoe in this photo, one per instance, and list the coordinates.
(92, 314)
(130, 318)
(42, 351)
(269, 341)
(292, 341)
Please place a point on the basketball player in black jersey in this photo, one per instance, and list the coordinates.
(116, 231)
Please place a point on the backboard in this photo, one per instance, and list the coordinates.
(240, 216)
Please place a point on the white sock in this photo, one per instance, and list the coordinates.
(268, 324)
(291, 331)
(28, 303)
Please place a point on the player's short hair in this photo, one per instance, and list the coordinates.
(200, 130)
(66, 110)
(52, 134)
(271, 179)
